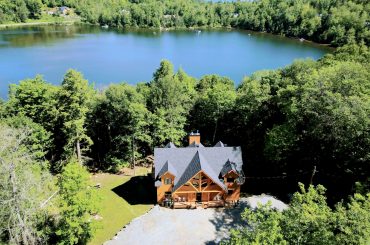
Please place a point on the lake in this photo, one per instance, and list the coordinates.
(107, 56)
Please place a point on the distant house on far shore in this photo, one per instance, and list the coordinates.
(187, 177)
(58, 11)
(63, 10)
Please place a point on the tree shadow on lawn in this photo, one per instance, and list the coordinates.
(138, 190)
(226, 219)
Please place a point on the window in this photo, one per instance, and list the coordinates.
(195, 184)
(230, 180)
(167, 181)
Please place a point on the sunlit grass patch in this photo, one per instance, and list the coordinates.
(115, 211)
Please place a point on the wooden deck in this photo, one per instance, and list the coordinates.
(192, 205)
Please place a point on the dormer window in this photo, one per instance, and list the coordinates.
(167, 181)
(230, 180)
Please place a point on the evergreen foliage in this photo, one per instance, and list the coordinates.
(169, 99)
(74, 97)
(78, 203)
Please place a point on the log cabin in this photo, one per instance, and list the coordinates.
(192, 176)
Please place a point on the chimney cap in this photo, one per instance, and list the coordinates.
(195, 133)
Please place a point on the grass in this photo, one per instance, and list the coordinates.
(115, 211)
(45, 19)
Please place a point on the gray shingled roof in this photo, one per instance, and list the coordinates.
(170, 145)
(190, 159)
(198, 163)
(219, 144)
(167, 167)
(192, 169)
(229, 166)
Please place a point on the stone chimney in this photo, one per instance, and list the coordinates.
(194, 137)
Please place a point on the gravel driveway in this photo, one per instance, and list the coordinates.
(183, 227)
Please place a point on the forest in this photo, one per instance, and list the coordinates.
(309, 115)
(335, 22)
(306, 123)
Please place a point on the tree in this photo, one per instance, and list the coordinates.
(21, 11)
(353, 220)
(78, 202)
(38, 140)
(35, 7)
(168, 126)
(263, 227)
(346, 23)
(169, 99)
(2, 108)
(325, 120)
(216, 98)
(252, 94)
(118, 119)
(35, 99)
(308, 218)
(24, 184)
(74, 97)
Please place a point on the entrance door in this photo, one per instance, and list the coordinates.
(167, 202)
(199, 197)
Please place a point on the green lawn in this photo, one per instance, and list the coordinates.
(45, 19)
(115, 211)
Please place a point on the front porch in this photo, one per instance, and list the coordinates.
(193, 205)
(192, 200)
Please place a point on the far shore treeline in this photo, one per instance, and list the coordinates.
(335, 22)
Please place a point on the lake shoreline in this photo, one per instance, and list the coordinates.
(215, 28)
(5, 26)
(161, 29)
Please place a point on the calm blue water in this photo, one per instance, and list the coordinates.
(109, 56)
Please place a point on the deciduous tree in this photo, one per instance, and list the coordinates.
(24, 184)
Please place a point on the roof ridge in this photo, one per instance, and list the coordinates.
(228, 166)
(202, 159)
(170, 145)
(198, 163)
(191, 169)
(219, 144)
(167, 167)
(207, 169)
